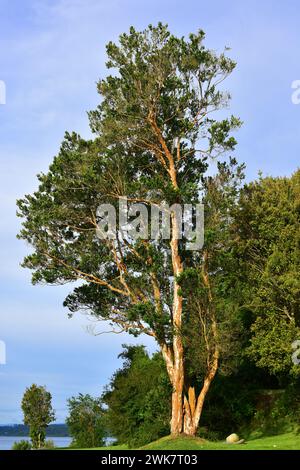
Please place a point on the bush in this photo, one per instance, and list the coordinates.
(278, 411)
(49, 444)
(230, 407)
(22, 445)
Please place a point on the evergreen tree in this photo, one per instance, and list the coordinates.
(156, 136)
(38, 413)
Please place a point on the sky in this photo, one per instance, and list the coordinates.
(51, 55)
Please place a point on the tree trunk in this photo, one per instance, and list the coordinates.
(186, 410)
(178, 383)
(178, 363)
(192, 407)
(177, 413)
(189, 425)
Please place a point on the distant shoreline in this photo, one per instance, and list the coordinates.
(20, 430)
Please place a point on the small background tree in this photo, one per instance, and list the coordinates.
(85, 421)
(38, 413)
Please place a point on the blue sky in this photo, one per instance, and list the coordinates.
(51, 55)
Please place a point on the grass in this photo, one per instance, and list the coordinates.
(288, 441)
(282, 442)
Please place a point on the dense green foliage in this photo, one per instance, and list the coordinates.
(138, 401)
(278, 411)
(138, 398)
(268, 248)
(38, 413)
(261, 287)
(85, 421)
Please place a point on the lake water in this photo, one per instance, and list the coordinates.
(6, 442)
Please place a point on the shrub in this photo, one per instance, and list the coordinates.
(49, 444)
(22, 445)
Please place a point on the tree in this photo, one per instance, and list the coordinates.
(138, 398)
(38, 413)
(155, 138)
(85, 421)
(267, 223)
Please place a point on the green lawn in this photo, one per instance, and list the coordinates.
(284, 441)
(289, 441)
